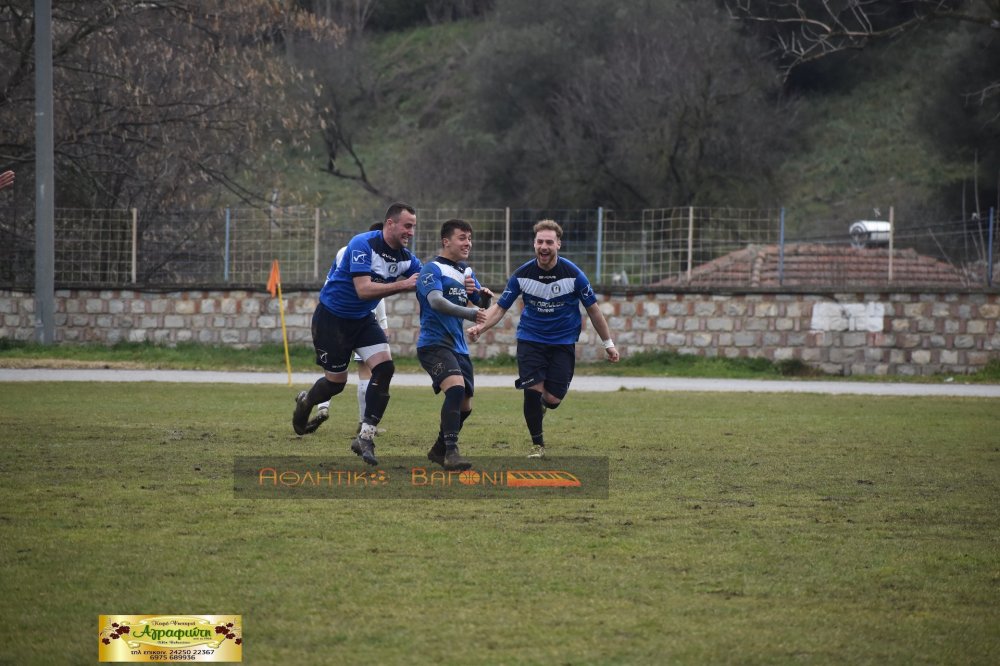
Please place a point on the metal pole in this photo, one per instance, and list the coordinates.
(506, 264)
(135, 241)
(989, 266)
(690, 241)
(225, 251)
(45, 255)
(600, 242)
(892, 234)
(781, 250)
(316, 247)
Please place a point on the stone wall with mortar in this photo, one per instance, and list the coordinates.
(845, 333)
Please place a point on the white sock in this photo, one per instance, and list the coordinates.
(324, 405)
(362, 390)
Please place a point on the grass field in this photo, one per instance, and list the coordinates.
(739, 529)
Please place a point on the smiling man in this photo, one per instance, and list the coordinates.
(553, 288)
(449, 293)
(375, 264)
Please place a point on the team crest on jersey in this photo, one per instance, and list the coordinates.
(556, 289)
(393, 269)
(588, 292)
(359, 257)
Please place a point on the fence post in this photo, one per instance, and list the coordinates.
(316, 247)
(690, 241)
(135, 241)
(989, 263)
(600, 242)
(892, 234)
(781, 250)
(506, 260)
(225, 254)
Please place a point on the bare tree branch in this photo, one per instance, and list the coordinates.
(807, 30)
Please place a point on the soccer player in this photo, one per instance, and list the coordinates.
(552, 289)
(376, 264)
(444, 290)
(364, 372)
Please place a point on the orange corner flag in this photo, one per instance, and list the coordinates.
(274, 287)
(274, 279)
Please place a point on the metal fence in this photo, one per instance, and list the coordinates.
(695, 247)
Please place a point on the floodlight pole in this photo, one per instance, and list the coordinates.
(44, 177)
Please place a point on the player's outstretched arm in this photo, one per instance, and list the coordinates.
(493, 316)
(369, 290)
(601, 326)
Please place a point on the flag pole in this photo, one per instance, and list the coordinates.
(274, 282)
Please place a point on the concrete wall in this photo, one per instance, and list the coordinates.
(850, 333)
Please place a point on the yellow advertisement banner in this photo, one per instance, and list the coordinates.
(170, 638)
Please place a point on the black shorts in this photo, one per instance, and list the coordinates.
(335, 338)
(441, 362)
(551, 364)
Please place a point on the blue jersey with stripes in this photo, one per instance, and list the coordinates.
(551, 297)
(366, 254)
(437, 328)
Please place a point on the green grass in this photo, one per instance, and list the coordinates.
(739, 529)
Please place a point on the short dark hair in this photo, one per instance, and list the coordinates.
(376, 226)
(453, 225)
(393, 211)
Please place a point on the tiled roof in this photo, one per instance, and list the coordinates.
(818, 265)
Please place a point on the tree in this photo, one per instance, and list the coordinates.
(804, 31)
(160, 103)
(592, 103)
(965, 119)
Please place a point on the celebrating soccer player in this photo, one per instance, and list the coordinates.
(364, 372)
(444, 289)
(552, 289)
(376, 264)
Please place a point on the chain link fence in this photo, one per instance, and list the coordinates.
(682, 247)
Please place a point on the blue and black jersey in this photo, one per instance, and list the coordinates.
(366, 254)
(551, 301)
(437, 328)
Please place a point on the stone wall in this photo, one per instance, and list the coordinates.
(849, 333)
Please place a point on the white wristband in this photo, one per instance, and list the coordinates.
(609, 343)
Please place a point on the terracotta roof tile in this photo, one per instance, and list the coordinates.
(818, 265)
